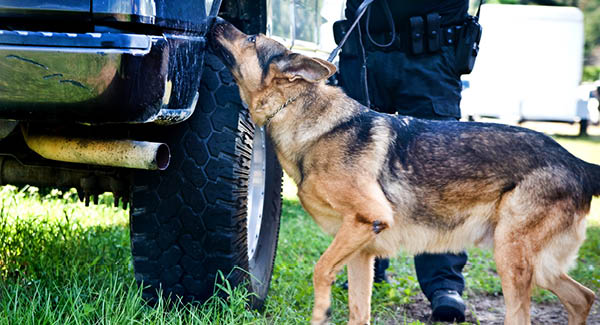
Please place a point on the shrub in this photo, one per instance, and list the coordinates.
(590, 73)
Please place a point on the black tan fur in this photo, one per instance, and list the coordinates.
(380, 183)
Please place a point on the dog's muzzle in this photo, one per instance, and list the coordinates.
(218, 32)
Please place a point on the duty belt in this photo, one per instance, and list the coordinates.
(420, 36)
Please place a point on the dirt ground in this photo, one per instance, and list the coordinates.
(486, 309)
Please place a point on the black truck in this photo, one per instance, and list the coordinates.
(124, 96)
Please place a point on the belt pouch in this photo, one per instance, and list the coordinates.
(416, 35)
(433, 32)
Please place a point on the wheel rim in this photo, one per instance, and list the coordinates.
(256, 190)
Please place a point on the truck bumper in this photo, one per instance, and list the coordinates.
(99, 78)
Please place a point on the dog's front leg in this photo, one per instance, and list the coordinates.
(349, 240)
(360, 285)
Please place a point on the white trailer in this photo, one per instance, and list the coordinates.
(529, 66)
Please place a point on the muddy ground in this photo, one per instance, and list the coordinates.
(486, 309)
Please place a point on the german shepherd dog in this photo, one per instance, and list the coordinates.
(380, 183)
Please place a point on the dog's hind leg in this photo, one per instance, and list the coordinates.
(540, 227)
(577, 299)
(514, 266)
(360, 283)
(553, 264)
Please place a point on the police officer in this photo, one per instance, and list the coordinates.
(410, 51)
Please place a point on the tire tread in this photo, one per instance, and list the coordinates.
(179, 249)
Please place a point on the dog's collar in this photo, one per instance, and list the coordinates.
(287, 102)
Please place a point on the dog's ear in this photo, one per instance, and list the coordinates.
(298, 66)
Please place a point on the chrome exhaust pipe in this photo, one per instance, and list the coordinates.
(116, 153)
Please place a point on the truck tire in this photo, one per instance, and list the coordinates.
(215, 208)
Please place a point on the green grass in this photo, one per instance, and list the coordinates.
(64, 263)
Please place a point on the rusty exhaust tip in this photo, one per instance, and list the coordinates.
(102, 152)
(163, 156)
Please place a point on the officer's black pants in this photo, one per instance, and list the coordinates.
(434, 271)
(428, 87)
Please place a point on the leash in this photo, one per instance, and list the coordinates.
(359, 13)
(390, 19)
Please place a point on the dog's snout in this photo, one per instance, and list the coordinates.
(216, 29)
(217, 25)
(219, 20)
(223, 29)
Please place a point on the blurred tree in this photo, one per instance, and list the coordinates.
(591, 10)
